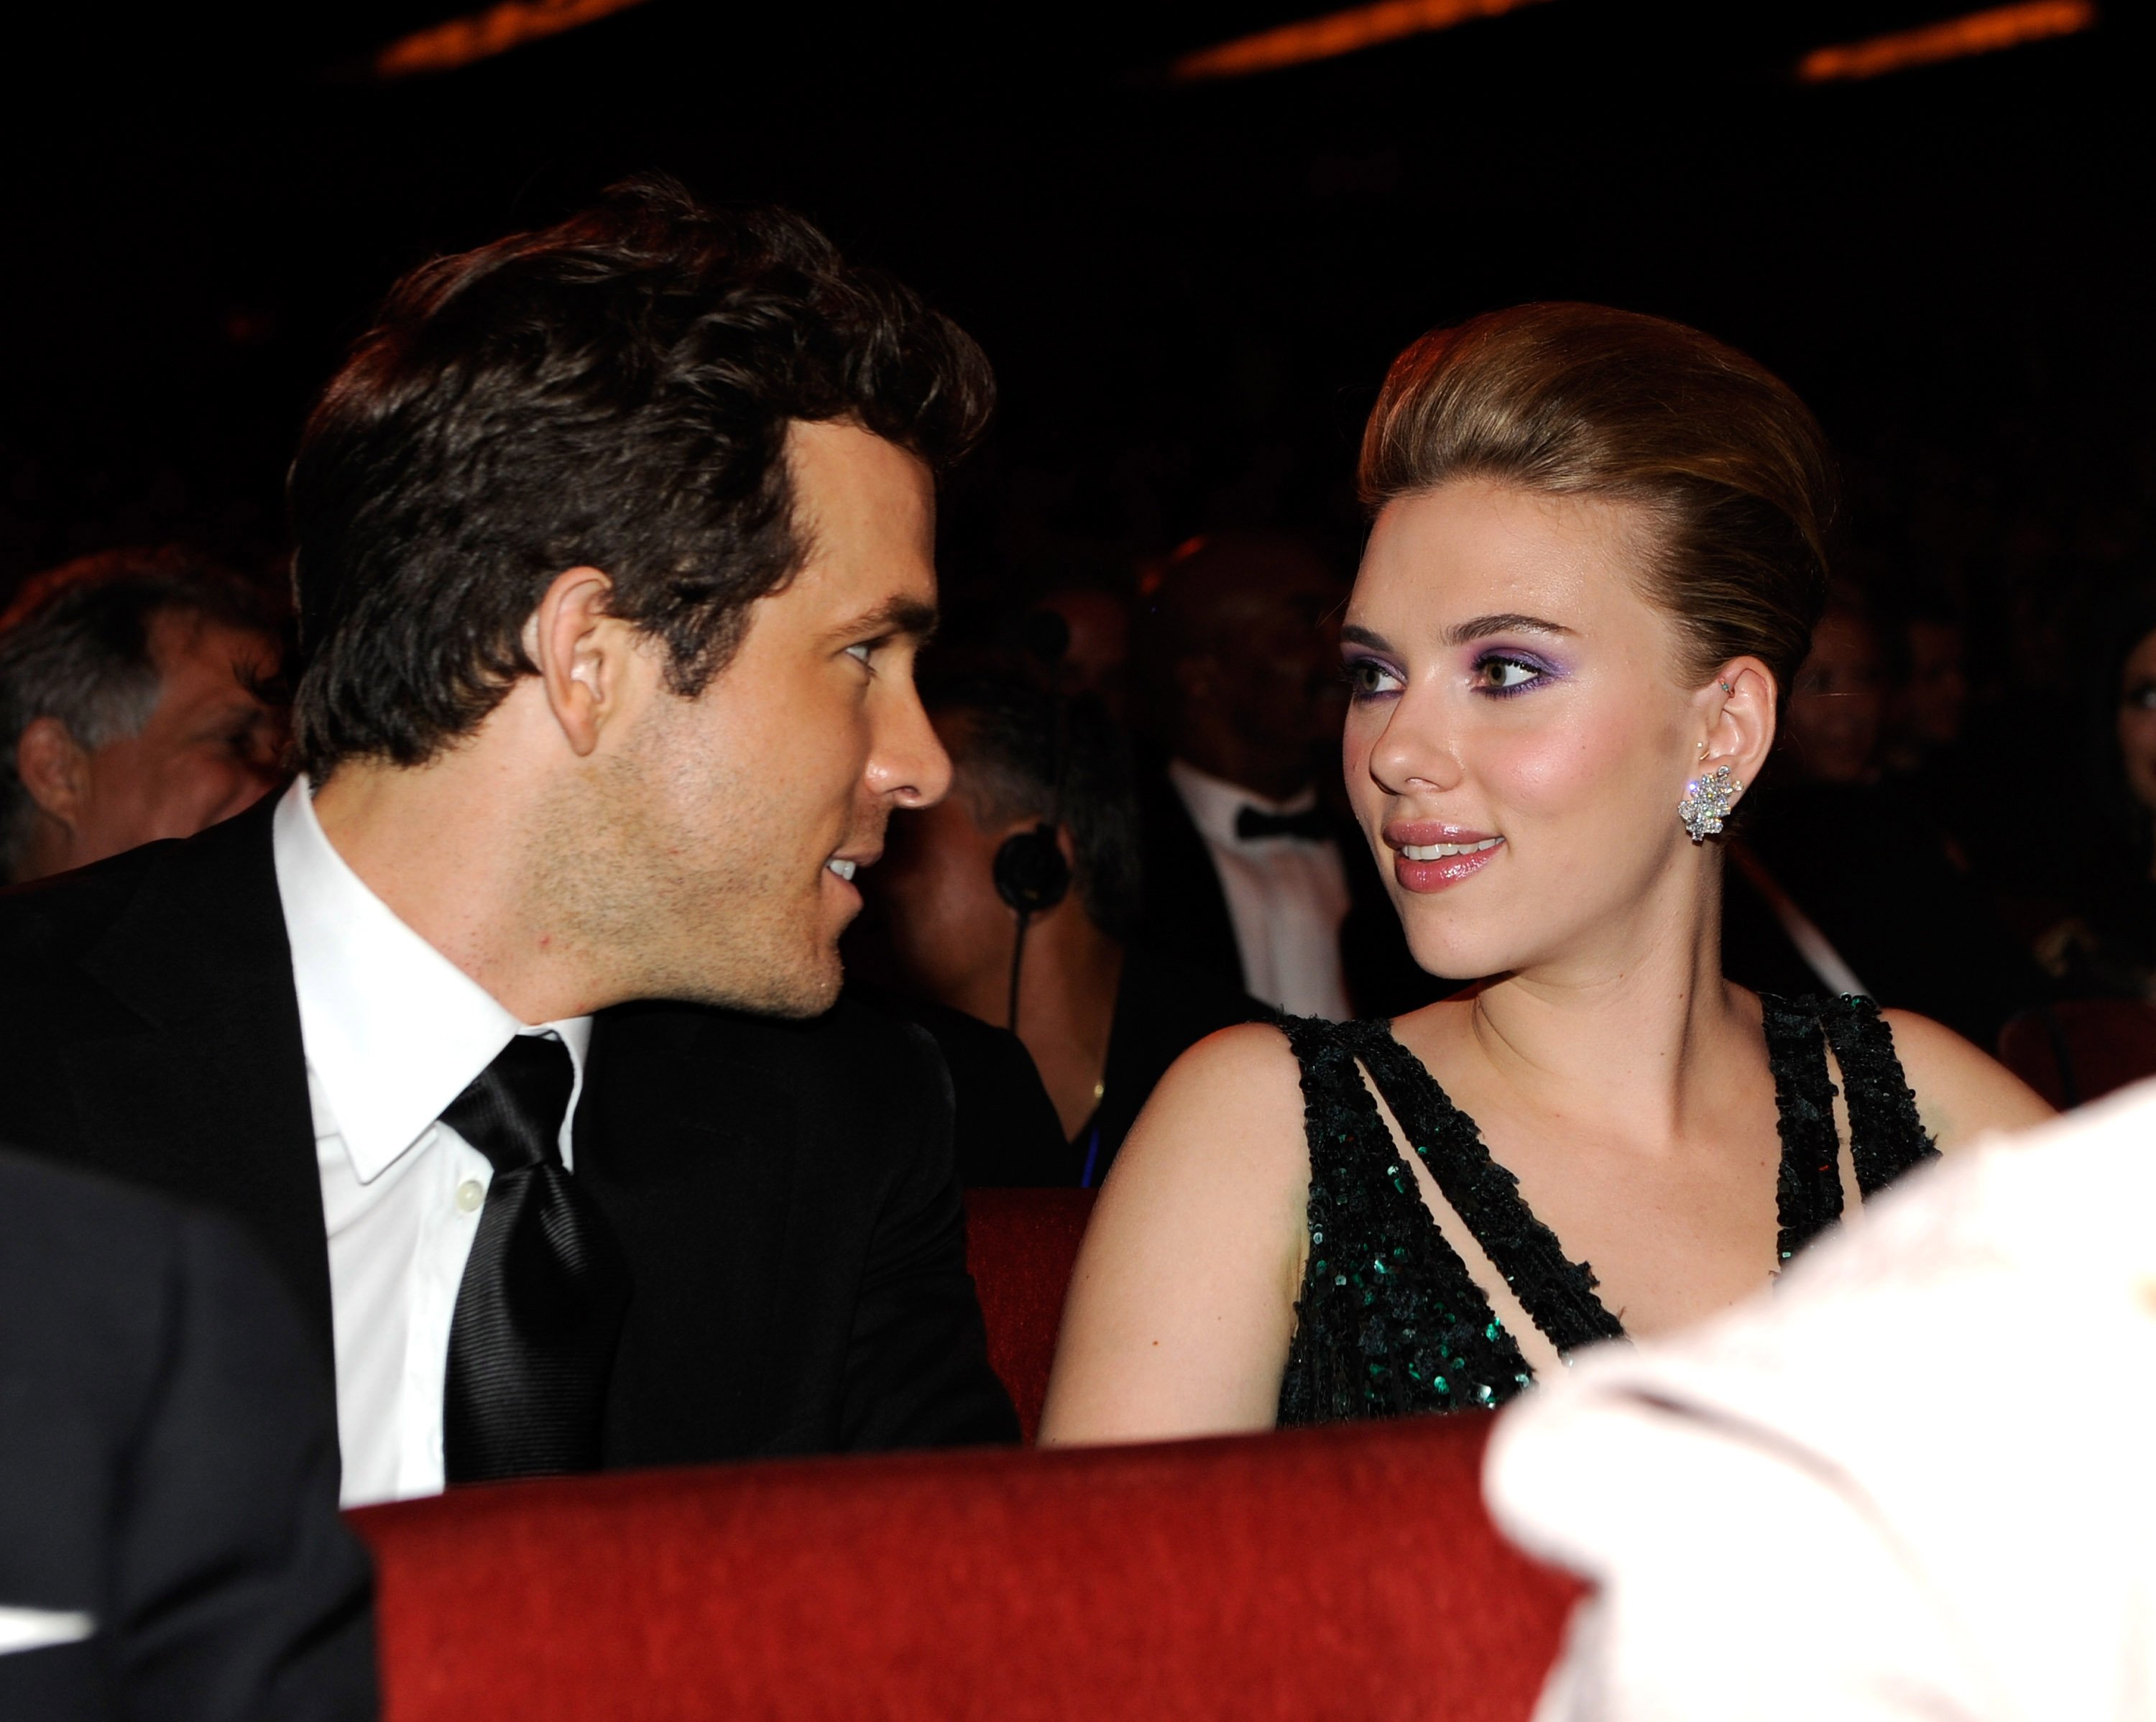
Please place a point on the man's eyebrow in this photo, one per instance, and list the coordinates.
(894, 615)
(1509, 622)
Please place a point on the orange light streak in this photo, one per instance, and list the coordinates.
(1978, 32)
(1336, 33)
(444, 47)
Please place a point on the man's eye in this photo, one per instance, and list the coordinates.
(865, 652)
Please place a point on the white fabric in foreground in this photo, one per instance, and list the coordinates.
(40, 1628)
(1917, 1480)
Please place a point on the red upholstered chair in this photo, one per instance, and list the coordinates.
(2081, 1050)
(1020, 1244)
(1346, 1572)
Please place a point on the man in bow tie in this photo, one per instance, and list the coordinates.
(507, 1029)
(1248, 875)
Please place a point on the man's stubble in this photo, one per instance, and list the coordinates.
(673, 871)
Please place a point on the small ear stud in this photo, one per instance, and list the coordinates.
(1727, 689)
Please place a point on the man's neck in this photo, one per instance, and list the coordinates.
(444, 846)
(1275, 776)
(1067, 1008)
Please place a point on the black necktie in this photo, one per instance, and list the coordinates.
(1311, 824)
(545, 1287)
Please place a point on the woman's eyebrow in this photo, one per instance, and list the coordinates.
(1482, 627)
(1352, 635)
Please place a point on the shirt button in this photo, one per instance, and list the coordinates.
(469, 1194)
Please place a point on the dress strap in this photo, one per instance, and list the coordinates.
(1401, 1338)
(1808, 1190)
(1886, 1136)
(1556, 1292)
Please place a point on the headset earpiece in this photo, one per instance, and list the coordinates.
(1031, 874)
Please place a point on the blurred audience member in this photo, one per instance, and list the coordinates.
(2104, 942)
(1249, 876)
(1927, 707)
(1096, 659)
(169, 1539)
(129, 708)
(1041, 813)
(1846, 880)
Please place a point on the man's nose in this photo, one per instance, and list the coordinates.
(909, 763)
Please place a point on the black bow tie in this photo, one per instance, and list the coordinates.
(1311, 824)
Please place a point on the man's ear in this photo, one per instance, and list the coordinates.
(583, 653)
(54, 770)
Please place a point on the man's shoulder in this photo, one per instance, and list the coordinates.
(854, 1045)
(157, 921)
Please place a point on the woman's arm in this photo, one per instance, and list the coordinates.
(1962, 1093)
(1183, 1302)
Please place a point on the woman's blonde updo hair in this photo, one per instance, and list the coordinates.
(1580, 400)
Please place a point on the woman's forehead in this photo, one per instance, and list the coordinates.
(1471, 549)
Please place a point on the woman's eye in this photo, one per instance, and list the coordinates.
(1367, 678)
(1505, 674)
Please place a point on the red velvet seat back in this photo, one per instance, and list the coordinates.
(1344, 1572)
(1020, 1244)
(2105, 1044)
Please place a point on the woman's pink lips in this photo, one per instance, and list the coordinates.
(1426, 876)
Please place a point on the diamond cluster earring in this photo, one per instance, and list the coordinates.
(1706, 802)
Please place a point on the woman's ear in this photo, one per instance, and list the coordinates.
(1736, 718)
(581, 651)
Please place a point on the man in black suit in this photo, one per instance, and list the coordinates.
(1251, 875)
(169, 1539)
(613, 548)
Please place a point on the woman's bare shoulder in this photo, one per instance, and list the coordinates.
(1962, 1092)
(1237, 1090)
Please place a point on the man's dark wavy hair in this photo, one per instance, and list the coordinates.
(614, 391)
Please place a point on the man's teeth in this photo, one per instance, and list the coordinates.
(1440, 851)
(843, 869)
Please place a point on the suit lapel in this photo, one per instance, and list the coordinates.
(692, 1154)
(208, 1098)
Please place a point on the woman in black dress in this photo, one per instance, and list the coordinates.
(1595, 562)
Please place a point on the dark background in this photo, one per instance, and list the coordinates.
(1189, 292)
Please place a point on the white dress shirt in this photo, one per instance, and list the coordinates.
(1287, 897)
(1912, 1482)
(394, 1033)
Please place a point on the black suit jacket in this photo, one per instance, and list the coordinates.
(785, 1192)
(1186, 911)
(166, 1469)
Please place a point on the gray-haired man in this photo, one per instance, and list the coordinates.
(129, 709)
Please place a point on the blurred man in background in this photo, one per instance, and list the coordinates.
(1041, 789)
(131, 708)
(1250, 876)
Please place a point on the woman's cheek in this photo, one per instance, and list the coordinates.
(1552, 773)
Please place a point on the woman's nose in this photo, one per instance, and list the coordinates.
(1417, 750)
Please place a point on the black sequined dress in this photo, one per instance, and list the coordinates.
(1390, 1322)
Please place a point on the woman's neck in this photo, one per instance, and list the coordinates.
(1630, 1030)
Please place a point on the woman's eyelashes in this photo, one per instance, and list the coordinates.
(1369, 679)
(1502, 674)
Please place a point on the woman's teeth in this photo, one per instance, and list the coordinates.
(843, 869)
(1440, 851)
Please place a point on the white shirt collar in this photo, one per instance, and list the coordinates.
(1214, 802)
(394, 1029)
